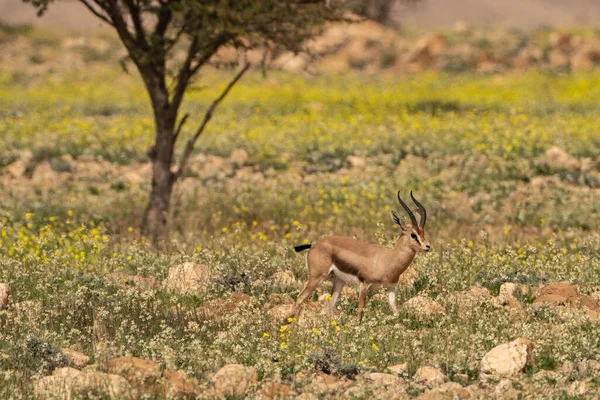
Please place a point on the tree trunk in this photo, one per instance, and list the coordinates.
(154, 225)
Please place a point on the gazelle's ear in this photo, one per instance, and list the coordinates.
(397, 220)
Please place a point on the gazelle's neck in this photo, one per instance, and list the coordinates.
(403, 245)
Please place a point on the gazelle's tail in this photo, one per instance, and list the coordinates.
(302, 247)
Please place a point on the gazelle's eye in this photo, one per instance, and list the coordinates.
(413, 236)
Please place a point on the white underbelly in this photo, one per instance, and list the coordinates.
(348, 278)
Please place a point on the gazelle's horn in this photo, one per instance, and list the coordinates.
(422, 211)
(410, 213)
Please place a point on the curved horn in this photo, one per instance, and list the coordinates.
(422, 211)
(410, 213)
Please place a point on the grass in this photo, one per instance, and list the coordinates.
(469, 145)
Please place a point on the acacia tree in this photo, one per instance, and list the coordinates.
(151, 30)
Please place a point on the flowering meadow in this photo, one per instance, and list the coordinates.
(507, 165)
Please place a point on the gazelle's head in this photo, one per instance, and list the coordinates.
(413, 235)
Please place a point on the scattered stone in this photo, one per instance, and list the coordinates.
(307, 396)
(588, 368)
(276, 390)
(176, 384)
(220, 308)
(386, 380)
(4, 295)
(563, 294)
(239, 157)
(399, 369)
(279, 313)
(234, 380)
(125, 281)
(471, 299)
(558, 59)
(422, 307)
(17, 169)
(447, 391)
(508, 359)
(505, 390)
(278, 299)
(408, 278)
(561, 40)
(356, 161)
(68, 383)
(141, 374)
(585, 58)
(188, 278)
(284, 278)
(577, 389)
(558, 159)
(568, 369)
(463, 379)
(509, 289)
(76, 359)
(431, 376)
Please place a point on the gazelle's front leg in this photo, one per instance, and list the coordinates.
(392, 298)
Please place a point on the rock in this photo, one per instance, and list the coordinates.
(290, 62)
(384, 380)
(67, 383)
(526, 57)
(399, 369)
(463, 379)
(234, 380)
(307, 396)
(176, 384)
(276, 390)
(427, 49)
(577, 389)
(588, 368)
(76, 359)
(16, 169)
(558, 159)
(281, 312)
(188, 278)
(509, 289)
(125, 281)
(239, 157)
(142, 375)
(430, 376)
(284, 278)
(468, 300)
(568, 369)
(447, 391)
(277, 299)
(408, 278)
(4, 295)
(563, 294)
(561, 40)
(356, 161)
(558, 59)
(505, 390)
(422, 307)
(220, 308)
(508, 359)
(585, 58)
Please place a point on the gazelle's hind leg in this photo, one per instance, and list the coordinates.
(308, 290)
(338, 285)
(362, 296)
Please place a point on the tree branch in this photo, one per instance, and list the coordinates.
(181, 123)
(189, 147)
(134, 11)
(97, 13)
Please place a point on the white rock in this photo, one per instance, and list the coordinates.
(381, 379)
(234, 380)
(423, 307)
(239, 157)
(68, 383)
(557, 158)
(508, 359)
(4, 295)
(430, 376)
(187, 278)
(76, 359)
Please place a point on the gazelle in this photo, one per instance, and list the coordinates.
(349, 261)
